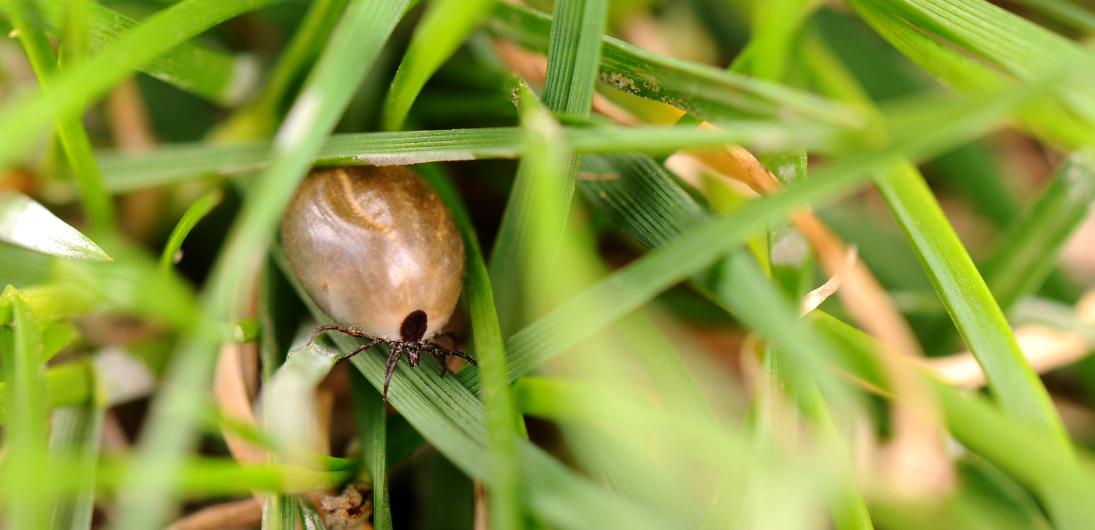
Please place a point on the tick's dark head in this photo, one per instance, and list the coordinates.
(413, 327)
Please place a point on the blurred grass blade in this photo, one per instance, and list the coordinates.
(206, 72)
(370, 414)
(96, 202)
(28, 427)
(75, 433)
(259, 118)
(1019, 46)
(533, 222)
(290, 404)
(1029, 250)
(28, 224)
(1065, 12)
(574, 51)
(703, 90)
(1046, 118)
(23, 117)
(197, 210)
(1029, 453)
(443, 28)
(351, 51)
(181, 162)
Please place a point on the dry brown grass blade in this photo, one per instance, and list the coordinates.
(231, 390)
(244, 513)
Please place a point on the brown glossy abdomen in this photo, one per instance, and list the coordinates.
(370, 245)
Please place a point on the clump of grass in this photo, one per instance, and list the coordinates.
(641, 217)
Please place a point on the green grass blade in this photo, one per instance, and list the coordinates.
(182, 162)
(443, 28)
(370, 414)
(706, 91)
(352, 49)
(28, 224)
(967, 298)
(23, 117)
(200, 70)
(574, 51)
(198, 210)
(93, 195)
(1047, 119)
(1028, 251)
(1021, 47)
(76, 432)
(27, 431)
(1065, 12)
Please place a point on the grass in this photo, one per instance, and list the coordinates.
(643, 361)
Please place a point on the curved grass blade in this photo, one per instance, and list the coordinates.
(352, 49)
(28, 224)
(27, 115)
(444, 26)
(198, 210)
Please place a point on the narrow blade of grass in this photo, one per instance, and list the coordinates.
(370, 414)
(181, 162)
(27, 431)
(76, 432)
(28, 224)
(93, 195)
(1030, 248)
(198, 210)
(444, 26)
(23, 117)
(352, 49)
(574, 51)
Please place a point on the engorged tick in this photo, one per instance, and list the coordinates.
(378, 251)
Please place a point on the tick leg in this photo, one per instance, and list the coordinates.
(393, 358)
(442, 354)
(363, 347)
(345, 330)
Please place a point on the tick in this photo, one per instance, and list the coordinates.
(377, 250)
